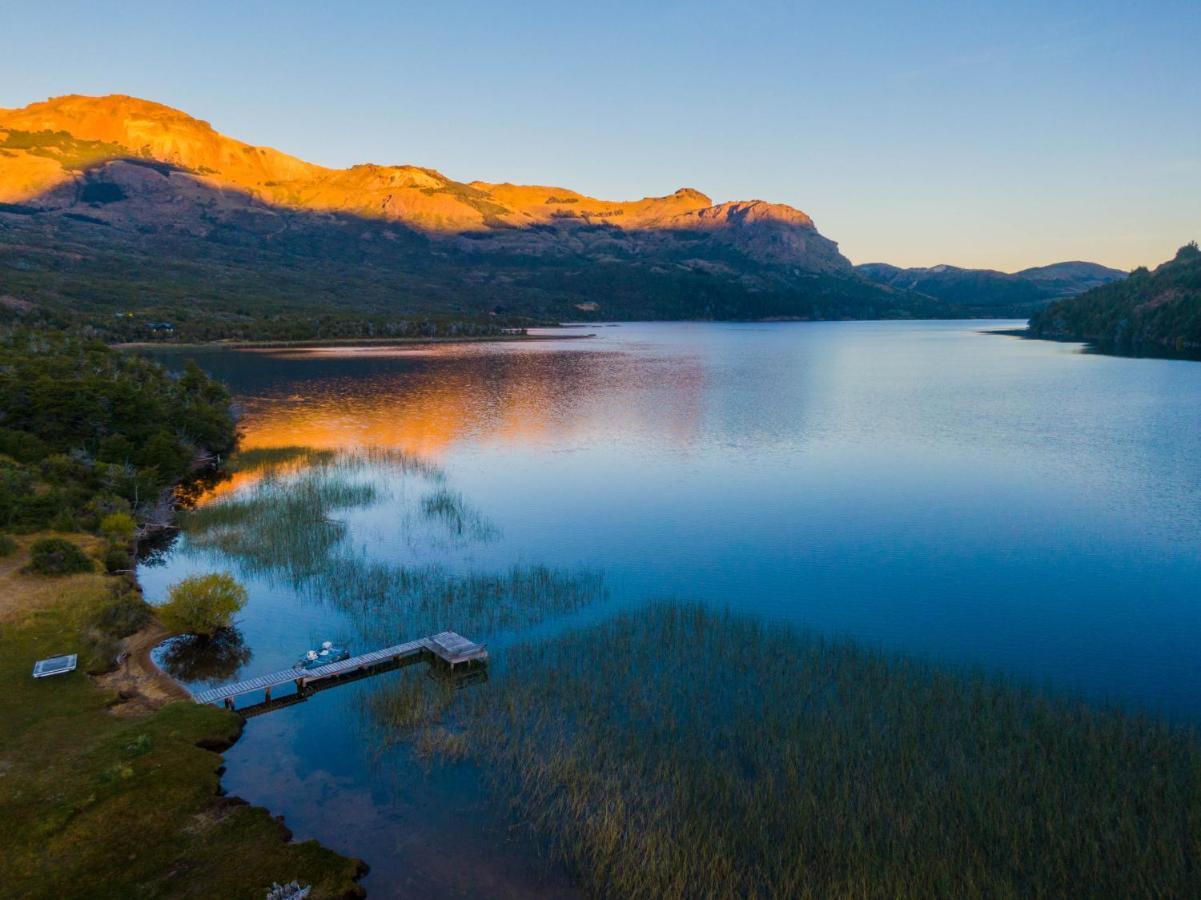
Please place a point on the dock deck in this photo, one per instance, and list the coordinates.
(446, 647)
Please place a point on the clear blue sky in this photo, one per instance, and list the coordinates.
(1000, 135)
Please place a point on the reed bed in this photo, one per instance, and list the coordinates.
(297, 457)
(449, 509)
(280, 522)
(286, 529)
(257, 459)
(384, 599)
(678, 752)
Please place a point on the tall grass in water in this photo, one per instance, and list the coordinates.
(257, 459)
(676, 752)
(280, 522)
(285, 527)
(451, 510)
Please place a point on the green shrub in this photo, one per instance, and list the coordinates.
(203, 604)
(115, 449)
(117, 559)
(64, 520)
(165, 454)
(100, 641)
(7, 545)
(127, 613)
(118, 527)
(58, 556)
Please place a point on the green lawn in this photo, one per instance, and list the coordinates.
(100, 805)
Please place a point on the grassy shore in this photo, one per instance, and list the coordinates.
(678, 752)
(101, 798)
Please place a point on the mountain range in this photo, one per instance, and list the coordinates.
(119, 209)
(984, 290)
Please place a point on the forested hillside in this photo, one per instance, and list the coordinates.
(87, 432)
(1149, 310)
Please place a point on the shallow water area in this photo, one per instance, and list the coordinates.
(974, 500)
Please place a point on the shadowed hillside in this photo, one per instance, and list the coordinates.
(986, 291)
(1148, 311)
(125, 212)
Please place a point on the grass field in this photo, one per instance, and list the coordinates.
(95, 803)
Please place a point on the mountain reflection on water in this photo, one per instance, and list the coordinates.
(426, 400)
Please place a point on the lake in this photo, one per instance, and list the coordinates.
(977, 501)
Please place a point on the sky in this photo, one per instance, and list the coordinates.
(999, 135)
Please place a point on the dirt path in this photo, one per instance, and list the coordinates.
(142, 685)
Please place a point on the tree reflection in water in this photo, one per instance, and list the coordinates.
(213, 660)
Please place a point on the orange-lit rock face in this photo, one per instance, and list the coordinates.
(50, 150)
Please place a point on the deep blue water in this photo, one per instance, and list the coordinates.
(978, 500)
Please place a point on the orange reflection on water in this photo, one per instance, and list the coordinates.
(425, 401)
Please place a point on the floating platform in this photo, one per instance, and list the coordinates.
(447, 648)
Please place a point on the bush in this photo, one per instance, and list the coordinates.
(7, 545)
(118, 527)
(203, 604)
(127, 613)
(58, 556)
(117, 559)
(100, 641)
(165, 454)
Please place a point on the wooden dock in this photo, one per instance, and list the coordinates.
(447, 647)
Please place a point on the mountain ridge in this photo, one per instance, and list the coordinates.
(122, 214)
(1022, 292)
(416, 197)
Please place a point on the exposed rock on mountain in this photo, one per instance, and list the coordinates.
(112, 207)
(69, 150)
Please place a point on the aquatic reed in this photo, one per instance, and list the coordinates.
(287, 528)
(678, 752)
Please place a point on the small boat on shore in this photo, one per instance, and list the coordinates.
(329, 653)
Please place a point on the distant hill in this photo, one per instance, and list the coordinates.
(1149, 310)
(111, 206)
(987, 291)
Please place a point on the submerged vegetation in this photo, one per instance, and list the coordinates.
(460, 520)
(676, 752)
(289, 527)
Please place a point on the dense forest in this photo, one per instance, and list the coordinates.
(88, 433)
(1149, 311)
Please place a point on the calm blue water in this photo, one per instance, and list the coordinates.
(975, 499)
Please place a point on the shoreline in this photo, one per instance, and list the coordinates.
(120, 764)
(350, 342)
(142, 686)
(1100, 347)
(144, 689)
